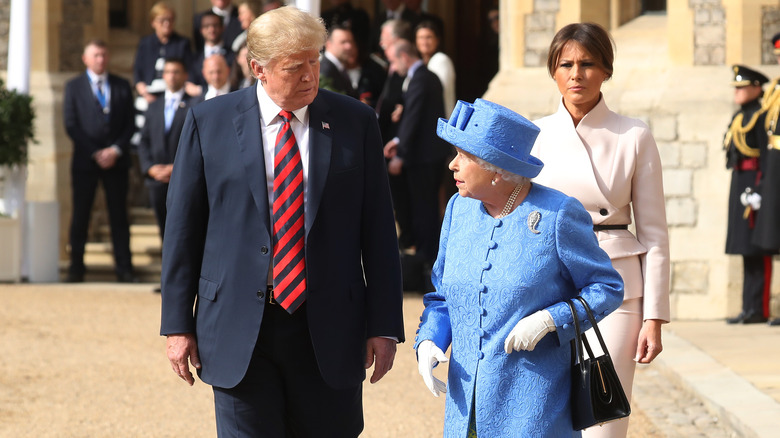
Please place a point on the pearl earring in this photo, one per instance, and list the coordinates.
(493, 182)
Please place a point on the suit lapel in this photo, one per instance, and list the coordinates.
(320, 144)
(250, 143)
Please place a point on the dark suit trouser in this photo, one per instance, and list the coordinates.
(283, 394)
(756, 284)
(84, 185)
(158, 195)
(399, 190)
(423, 181)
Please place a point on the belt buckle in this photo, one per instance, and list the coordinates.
(270, 292)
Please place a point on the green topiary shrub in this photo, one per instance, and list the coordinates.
(16, 126)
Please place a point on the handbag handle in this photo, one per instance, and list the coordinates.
(580, 336)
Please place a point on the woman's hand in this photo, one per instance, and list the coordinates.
(529, 331)
(428, 356)
(649, 345)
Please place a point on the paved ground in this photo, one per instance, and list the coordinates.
(86, 361)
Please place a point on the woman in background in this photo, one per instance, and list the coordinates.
(153, 49)
(611, 164)
(240, 74)
(428, 41)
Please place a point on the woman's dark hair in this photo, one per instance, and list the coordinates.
(592, 37)
(430, 25)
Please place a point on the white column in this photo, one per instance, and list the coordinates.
(18, 79)
(19, 47)
(313, 7)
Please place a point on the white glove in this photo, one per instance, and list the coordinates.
(529, 331)
(428, 356)
(750, 198)
(754, 199)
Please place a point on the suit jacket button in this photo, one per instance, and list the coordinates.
(261, 294)
(603, 212)
(264, 250)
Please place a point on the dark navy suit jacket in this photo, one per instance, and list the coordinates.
(218, 242)
(157, 147)
(90, 129)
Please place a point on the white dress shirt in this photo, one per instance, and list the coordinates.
(270, 124)
(214, 92)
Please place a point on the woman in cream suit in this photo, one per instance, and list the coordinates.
(611, 164)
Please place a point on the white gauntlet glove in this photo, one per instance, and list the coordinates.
(428, 356)
(529, 331)
(750, 198)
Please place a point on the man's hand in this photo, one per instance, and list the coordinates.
(380, 352)
(106, 157)
(161, 172)
(395, 166)
(398, 111)
(180, 348)
(391, 148)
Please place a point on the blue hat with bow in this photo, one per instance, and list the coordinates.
(493, 133)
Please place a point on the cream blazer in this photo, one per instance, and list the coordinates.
(609, 163)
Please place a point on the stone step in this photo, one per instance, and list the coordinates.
(104, 272)
(102, 253)
(142, 216)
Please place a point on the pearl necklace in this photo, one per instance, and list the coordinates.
(511, 202)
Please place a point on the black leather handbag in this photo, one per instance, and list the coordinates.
(597, 397)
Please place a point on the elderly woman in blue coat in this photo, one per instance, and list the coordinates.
(511, 254)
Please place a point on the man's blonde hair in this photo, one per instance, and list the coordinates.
(283, 32)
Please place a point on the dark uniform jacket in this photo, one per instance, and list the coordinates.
(745, 144)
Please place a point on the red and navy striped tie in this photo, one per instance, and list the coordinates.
(289, 265)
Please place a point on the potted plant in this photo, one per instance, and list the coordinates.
(16, 126)
(16, 131)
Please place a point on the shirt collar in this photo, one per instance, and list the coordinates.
(94, 77)
(332, 58)
(414, 68)
(269, 109)
(222, 12)
(176, 95)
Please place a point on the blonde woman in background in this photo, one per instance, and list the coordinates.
(611, 164)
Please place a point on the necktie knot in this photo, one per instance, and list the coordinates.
(286, 115)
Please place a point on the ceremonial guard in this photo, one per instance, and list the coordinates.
(746, 146)
(767, 233)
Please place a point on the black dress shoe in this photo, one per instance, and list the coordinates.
(74, 278)
(157, 290)
(126, 277)
(742, 318)
(774, 322)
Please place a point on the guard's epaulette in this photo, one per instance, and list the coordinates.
(771, 104)
(736, 133)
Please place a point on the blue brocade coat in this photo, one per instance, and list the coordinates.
(489, 274)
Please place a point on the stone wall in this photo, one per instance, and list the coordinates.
(770, 25)
(709, 32)
(76, 15)
(5, 13)
(539, 31)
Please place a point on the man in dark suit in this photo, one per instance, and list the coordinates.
(417, 150)
(160, 136)
(393, 10)
(343, 13)
(214, 44)
(280, 232)
(98, 113)
(340, 52)
(229, 14)
(389, 99)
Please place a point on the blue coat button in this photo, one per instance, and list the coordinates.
(492, 244)
(486, 265)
